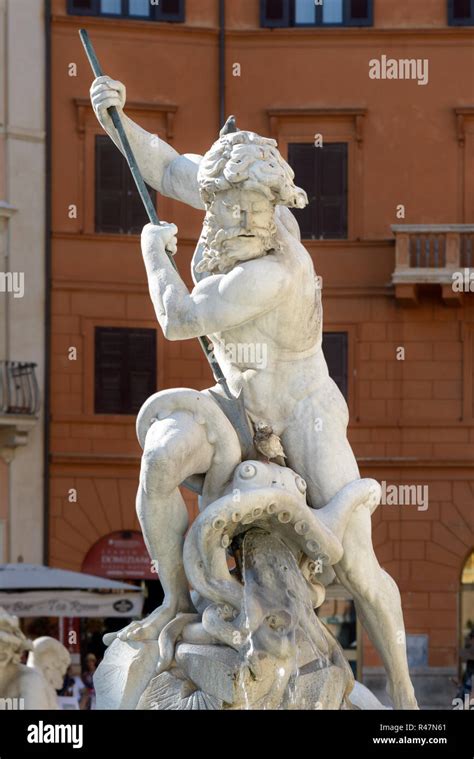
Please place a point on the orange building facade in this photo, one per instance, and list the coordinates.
(387, 275)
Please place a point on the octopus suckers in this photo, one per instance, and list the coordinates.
(247, 471)
(301, 527)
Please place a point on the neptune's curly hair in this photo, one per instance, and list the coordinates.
(252, 162)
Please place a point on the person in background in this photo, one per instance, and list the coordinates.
(88, 699)
(68, 683)
(468, 674)
(74, 686)
(465, 686)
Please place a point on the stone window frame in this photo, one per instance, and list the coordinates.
(352, 353)
(87, 328)
(287, 19)
(156, 13)
(457, 21)
(156, 118)
(336, 125)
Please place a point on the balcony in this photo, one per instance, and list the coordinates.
(19, 405)
(429, 255)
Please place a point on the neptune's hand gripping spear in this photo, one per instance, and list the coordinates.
(233, 406)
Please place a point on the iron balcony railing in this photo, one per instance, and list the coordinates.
(19, 392)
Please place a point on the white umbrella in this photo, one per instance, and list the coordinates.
(33, 590)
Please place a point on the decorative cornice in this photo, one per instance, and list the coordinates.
(384, 242)
(363, 36)
(112, 27)
(14, 430)
(137, 108)
(318, 111)
(7, 210)
(396, 425)
(85, 459)
(401, 463)
(369, 243)
(426, 228)
(366, 35)
(141, 288)
(24, 133)
(131, 460)
(356, 115)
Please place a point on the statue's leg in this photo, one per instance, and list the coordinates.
(175, 448)
(317, 448)
(378, 605)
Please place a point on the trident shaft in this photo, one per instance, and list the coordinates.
(232, 406)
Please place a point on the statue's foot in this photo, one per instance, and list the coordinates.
(404, 699)
(150, 627)
(406, 704)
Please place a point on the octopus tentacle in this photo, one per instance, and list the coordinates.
(217, 620)
(271, 508)
(168, 637)
(317, 533)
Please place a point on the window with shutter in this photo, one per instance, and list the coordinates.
(285, 13)
(275, 13)
(118, 207)
(331, 177)
(301, 158)
(322, 172)
(125, 369)
(164, 10)
(170, 10)
(335, 349)
(359, 12)
(86, 7)
(461, 12)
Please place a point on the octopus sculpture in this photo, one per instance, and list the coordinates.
(258, 559)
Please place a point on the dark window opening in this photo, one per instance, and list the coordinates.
(360, 9)
(322, 173)
(275, 10)
(285, 13)
(171, 7)
(80, 5)
(461, 12)
(335, 349)
(275, 13)
(145, 10)
(125, 369)
(118, 207)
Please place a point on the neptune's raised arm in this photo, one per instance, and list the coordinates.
(161, 166)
